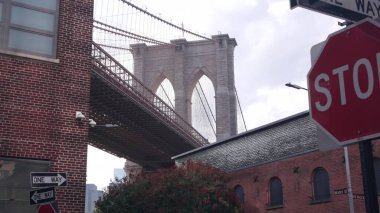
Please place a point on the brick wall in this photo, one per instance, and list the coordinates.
(38, 100)
(297, 186)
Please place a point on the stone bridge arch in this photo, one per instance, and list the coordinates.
(196, 75)
(183, 63)
(158, 80)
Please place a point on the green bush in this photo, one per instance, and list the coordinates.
(191, 188)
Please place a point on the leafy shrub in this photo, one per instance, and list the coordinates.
(191, 188)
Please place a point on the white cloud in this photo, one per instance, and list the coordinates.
(275, 103)
(278, 9)
(100, 167)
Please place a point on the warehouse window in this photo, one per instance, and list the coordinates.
(275, 192)
(29, 26)
(239, 191)
(321, 185)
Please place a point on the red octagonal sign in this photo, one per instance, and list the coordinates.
(344, 84)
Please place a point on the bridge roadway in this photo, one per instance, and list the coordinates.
(148, 131)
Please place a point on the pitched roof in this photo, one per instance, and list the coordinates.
(279, 140)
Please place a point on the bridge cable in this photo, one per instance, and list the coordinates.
(204, 108)
(213, 116)
(114, 47)
(128, 34)
(164, 21)
(167, 96)
(241, 111)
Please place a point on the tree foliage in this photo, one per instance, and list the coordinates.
(193, 187)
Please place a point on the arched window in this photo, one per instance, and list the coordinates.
(239, 191)
(376, 164)
(275, 192)
(321, 185)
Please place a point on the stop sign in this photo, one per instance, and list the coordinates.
(344, 84)
(46, 208)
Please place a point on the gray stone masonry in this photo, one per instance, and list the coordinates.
(183, 63)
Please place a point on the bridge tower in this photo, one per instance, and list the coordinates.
(183, 63)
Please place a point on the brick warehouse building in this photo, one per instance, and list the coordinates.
(45, 50)
(279, 168)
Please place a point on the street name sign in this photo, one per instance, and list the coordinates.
(344, 84)
(345, 191)
(341, 191)
(47, 179)
(351, 10)
(42, 196)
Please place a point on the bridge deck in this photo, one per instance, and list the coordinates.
(149, 132)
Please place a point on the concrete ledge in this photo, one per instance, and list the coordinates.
(26, 55)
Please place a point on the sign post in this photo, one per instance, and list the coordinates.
(369, 180)
(344, 94)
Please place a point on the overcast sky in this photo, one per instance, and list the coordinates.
(273, 49)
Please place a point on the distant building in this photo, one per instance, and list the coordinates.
(118, 173)
(92, 195)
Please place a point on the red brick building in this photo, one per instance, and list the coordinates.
(45, 50)
(279, 168)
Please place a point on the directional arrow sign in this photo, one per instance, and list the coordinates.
(42, 195)
(352, 10)
(369, 8)
(47, 179)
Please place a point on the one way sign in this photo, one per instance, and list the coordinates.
(47, 179)
(42, 195)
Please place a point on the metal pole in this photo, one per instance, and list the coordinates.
(348, 175)
(346, 160)
(368, 173)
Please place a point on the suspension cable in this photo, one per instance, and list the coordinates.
(127, 34)
(212, 114)
(163, 89)
(164, 21)
(114, 47)
(241, 111)
(204, 108)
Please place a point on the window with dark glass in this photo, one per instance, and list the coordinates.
(239, 191)
(376, 164)
(321, 185)
(275, 192)
(29, 26)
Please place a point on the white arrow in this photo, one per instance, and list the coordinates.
(42, 196)
(59, 179)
